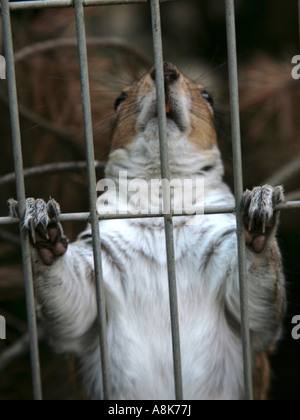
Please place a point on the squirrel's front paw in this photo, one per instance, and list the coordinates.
(260, 218)
(46, 232)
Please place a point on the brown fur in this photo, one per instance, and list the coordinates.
(201, 133)
(126, 132)
(261, 376)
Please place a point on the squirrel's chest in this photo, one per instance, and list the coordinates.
(139, 331)
(140, 339)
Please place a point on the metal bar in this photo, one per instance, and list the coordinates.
(88, 128)
(84, 217)
(238, 188)
(289, 205)
(158, 55)
(20, 187)
(46, 4)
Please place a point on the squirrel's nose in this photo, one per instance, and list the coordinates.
(171, 73)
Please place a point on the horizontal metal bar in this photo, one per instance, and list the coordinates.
(84, 217)
(289, 205)
(47, 4)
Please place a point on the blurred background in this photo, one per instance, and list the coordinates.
(120, 50)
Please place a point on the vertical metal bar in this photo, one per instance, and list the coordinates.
(238, 187)
(86, 103)
(20, 187)
(157, 41)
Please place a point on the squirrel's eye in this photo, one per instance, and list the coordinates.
(120, 100)
(208, 97)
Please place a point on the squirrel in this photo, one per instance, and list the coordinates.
(134, 263)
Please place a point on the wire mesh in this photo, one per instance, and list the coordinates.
(92, 215)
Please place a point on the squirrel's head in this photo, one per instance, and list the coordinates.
(190, 122)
